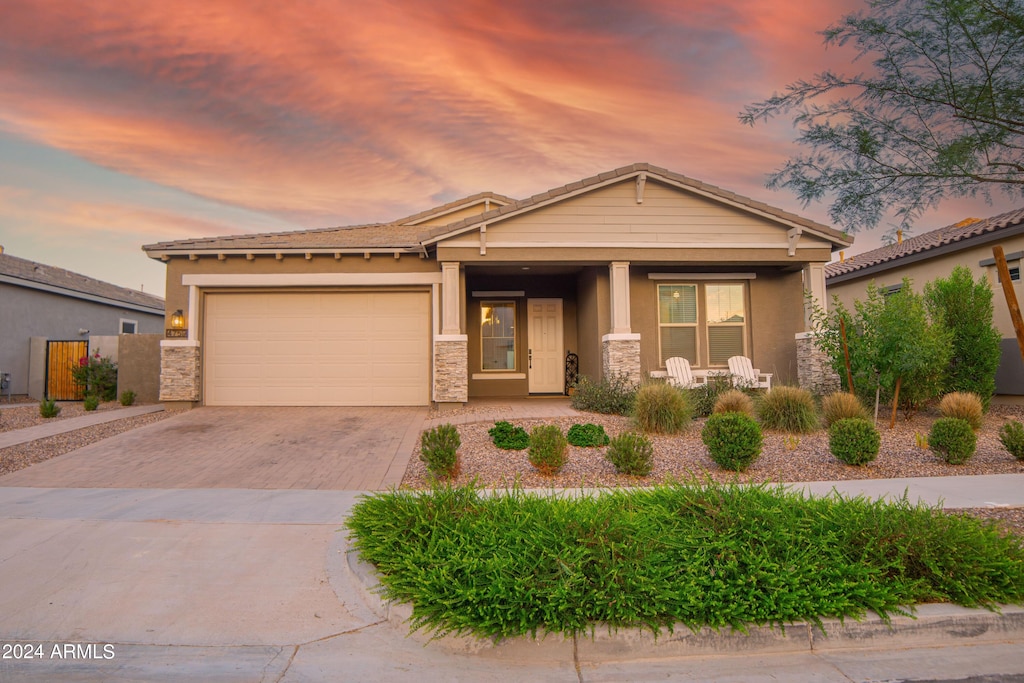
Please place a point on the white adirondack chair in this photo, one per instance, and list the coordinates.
(744, 374)
(679, 373)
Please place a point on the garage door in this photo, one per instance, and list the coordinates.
(324, 348)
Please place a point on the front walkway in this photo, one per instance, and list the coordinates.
(492, 409)
(48, 429)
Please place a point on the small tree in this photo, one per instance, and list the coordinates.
(965, 308)
(896, 352)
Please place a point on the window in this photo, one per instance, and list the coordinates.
(129, 326)
(677, 316)
(705, 335)
(726, 322)
(498, 335)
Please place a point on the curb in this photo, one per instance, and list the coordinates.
(935, 625)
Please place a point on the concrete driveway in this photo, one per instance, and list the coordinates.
(353, 449)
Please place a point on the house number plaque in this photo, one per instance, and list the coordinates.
(177, 334)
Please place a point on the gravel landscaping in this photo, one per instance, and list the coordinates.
(28, 415)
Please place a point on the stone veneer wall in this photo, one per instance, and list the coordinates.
(179, 373)
(813, 370)
(451, 371)
(621, 357)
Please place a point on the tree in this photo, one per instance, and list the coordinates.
(897, 353)
(940, 115)
(965, 308)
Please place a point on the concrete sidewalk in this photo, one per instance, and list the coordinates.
(258, 585)
(47, 429)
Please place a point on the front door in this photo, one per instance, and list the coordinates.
(546, 365)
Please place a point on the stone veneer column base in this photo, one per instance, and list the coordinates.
(620, 355)
(813, 370)
(451, 368)
(179, 371)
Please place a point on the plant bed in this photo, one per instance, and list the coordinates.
(514, 564)
(681, 456)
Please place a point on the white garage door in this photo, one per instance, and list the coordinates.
(324, 349)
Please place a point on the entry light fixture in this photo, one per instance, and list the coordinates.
(177, 320)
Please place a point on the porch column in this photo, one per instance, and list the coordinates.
(451, 346)
(620, 349)
(813, 369)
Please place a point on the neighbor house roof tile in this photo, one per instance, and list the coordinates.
(892, 253)
(51, 276)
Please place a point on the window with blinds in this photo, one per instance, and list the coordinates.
(710, 315)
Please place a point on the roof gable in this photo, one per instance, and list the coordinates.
(950, 238)
(640, 173)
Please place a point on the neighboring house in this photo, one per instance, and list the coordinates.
(935, 254)
(485, 296)
(42, 301)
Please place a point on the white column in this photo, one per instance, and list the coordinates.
(814, 284)
(451, 296)
(619, 294)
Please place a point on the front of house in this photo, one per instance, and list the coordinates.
(487, 296)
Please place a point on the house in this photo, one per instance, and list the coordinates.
(486, 296)
(935, 254)
(47, 303)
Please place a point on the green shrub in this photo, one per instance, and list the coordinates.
(788, 409)
(91, 402)
(547, 449)
(734, 401)
(854, 440)
(48, 408)
(952, 439)
(965, 308)
(964, 405)
(587, 435)
(127, 397)
(661, 408)
(840, 406)
(733, 440)
(631, 453)
(612, 395)
(439, 450)
(508, 437)
(1011, 435)
(96, 376)
(704, 396)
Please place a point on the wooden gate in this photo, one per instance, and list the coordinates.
(61, 357)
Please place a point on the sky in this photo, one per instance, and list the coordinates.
(129, 122)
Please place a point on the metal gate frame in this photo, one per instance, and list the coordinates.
(61, 356)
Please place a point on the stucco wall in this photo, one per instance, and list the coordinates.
(29, 313)
(138, 367)
(592, 318)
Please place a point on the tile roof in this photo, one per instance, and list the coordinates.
(377, 235)
(50, 276)
(951, 234)
(401, 235)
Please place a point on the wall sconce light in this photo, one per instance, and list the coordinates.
(177, 320)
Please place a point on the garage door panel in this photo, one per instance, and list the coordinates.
(327, 348)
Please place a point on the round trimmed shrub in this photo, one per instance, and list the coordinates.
(854, 440)
(587, 435)
(508, 437)
(91, 402)
(662, 409)
(964, 405)
(840, 406)
(1011, 435)
(952, 440)
(631, 453)
(788, 409)
(733, 440)
(547, 449)
(734, 401)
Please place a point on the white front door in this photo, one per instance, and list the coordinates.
(546, 356)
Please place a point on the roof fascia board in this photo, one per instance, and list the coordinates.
(30, 284)
(169, 253)
(460, 207)
(950, 248)
(309, 279)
